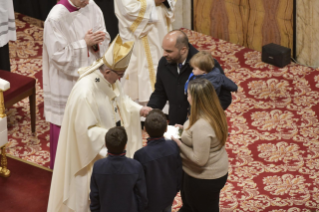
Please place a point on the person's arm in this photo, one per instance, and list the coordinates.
(64, 56)
(158, 98)
(229, 84)
(94, 194)
(179, 171)
(199, 154)
(140, 190)
(134, 14)
(100, 27)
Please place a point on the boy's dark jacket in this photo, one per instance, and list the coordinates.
(163, 172)
(118, 185)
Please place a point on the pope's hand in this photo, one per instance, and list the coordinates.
(145, 110)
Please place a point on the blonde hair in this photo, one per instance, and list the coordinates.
(206, 105)
(203, 60)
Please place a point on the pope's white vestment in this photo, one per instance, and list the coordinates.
(65, 51)
(90, 111)
(146, 24)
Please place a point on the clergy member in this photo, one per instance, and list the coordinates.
(95, 104)
(74, 37)
(7, 32)
(146, 22)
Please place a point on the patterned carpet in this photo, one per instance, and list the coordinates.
(273, 148)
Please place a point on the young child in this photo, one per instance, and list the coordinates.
(205, 66)
(117, 182)
(162, 164)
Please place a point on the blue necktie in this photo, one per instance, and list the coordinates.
(180, 65)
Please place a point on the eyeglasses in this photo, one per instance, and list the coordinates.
(119, 75)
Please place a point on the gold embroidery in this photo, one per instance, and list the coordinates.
(140, 17)
(149, 61)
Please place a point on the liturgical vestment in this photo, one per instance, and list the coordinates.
(146, 24)
(90, 111)
(65, 51)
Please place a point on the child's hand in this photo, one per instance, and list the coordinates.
(178, 142)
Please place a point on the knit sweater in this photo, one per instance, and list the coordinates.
(201, 153)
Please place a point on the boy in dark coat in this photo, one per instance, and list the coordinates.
(162, 164)
(205, 66)
(117, 182)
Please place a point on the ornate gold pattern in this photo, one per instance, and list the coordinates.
(150, 64)
(2, 109)
(140, 17)
(4, 172)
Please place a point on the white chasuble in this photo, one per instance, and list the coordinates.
(65, 51)
(7, 22)
(88, 115)
(146, 24)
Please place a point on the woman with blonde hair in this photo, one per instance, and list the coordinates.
(202, 145)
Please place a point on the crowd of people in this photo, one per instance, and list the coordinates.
(95, 93)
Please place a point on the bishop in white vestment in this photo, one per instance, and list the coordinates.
(95, 104)
(67, 46)
(146, 22)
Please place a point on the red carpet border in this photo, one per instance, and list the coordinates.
(273, 147)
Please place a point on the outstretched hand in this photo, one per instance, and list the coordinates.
(145, 110)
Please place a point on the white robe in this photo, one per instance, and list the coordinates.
(146, 24)
(65, 51)
(88, 116)
(7, 22)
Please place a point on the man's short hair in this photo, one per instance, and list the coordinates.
(155, 123)
(181, 40)
(115, 140)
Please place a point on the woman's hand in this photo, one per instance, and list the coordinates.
(179, 126)
(178, 142)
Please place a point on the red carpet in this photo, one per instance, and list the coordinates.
(26, 190)
(273, 120)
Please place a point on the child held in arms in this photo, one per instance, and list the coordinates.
(117, 182)
(162, 164)
(205, 66)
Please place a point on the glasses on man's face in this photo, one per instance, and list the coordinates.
(119, 74)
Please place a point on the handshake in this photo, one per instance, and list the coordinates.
(145, 110)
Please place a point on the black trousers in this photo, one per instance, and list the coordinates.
(5, 58)
(199, 195)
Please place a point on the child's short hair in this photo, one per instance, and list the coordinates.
(155, 123)
(115, 140)
(203, 60)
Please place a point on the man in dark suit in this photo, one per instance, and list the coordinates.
(172, 73)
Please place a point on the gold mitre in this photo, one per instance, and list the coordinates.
(116, 57)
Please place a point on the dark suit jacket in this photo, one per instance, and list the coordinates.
(118, 185)
(170, 86)
(162, 166)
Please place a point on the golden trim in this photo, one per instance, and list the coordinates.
(140, 17)
(111, 67)
(2, 108)
(30, 163)
(121, 50)
(149, 61)
(4, 172)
